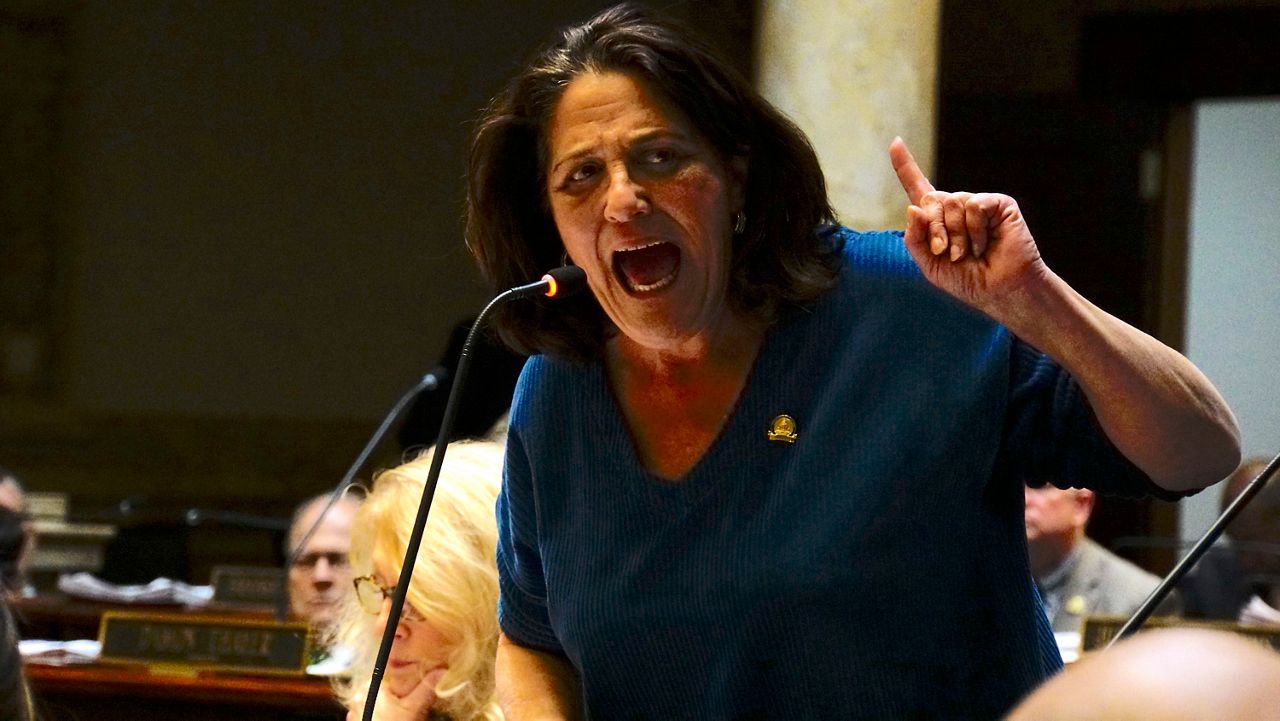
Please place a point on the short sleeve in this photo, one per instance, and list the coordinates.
(1052, 435)
(522, 601)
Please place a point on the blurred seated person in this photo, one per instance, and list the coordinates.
(17, 536)
(320, 577)
(1243, 568)
(15, 694)
(442, 661)
(1075, 575)
(1171, 674)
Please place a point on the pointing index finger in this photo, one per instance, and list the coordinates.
(914, 184)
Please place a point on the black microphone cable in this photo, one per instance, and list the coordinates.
(558, 283)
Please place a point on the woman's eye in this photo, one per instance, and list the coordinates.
(660, 156)
(581, 173)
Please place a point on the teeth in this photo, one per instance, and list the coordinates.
(652, 286)
(639, 247)
(641, 287)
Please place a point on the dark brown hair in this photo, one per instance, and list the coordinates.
(777, 260)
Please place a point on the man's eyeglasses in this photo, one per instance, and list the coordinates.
(371, 594)
(308, 561)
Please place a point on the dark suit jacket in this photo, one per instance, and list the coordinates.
(1216, 587)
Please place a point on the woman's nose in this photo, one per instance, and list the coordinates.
(625, 199)
(385, 613)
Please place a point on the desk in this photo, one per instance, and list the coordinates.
(58, 617)
(100, 692)
(108, 692)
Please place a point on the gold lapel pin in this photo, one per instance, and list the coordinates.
(783, 429)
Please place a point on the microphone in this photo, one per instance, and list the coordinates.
(1202, 546)
(435, 378)
(558, 283)
(202, 516)
(432, 380)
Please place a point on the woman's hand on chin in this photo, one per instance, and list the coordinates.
(413, 706)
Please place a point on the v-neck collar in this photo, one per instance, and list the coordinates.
(705, 474)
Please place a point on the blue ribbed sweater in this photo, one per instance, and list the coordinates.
(875, 569)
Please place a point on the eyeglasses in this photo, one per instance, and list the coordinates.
(371, 595)
(308, 561)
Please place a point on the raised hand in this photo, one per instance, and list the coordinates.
(1154, 405)
(975, 246)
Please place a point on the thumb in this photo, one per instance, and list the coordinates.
(916, 236)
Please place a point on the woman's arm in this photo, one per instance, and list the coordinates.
(1156, 407)
(535, 686)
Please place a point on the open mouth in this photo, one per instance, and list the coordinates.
(648, 268)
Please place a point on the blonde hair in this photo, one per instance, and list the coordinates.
(455, 580)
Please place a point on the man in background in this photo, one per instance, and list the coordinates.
(1076, 576)
(321, 574)
(17, 535)
(1239, 578)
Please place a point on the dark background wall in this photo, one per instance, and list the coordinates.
(267, 199)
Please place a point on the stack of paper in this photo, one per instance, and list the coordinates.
(59, 653)
(161, 590)
(1258, 613)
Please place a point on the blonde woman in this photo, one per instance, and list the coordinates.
(441, 665)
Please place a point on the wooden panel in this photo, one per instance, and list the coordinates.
(34, 54)
(111, 693)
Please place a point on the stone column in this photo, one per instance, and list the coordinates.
(853, 74)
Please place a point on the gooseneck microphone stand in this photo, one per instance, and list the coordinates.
(428, 382)
(1202, 546)
(556, 284)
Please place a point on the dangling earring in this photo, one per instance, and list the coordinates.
(739, 223)
(565, 260)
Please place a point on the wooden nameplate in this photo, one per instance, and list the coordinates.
(247, 587)
(188, 644)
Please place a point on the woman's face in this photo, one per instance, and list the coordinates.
(419, 647)
(645, 206)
